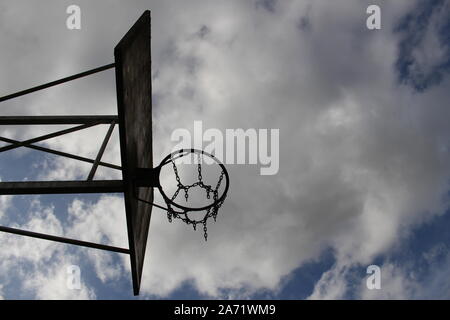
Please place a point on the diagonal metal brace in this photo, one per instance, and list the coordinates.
(63, 240)
(47, 136)
(62, 154)
(57, 82)
(101, 151)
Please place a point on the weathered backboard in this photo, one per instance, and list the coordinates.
(134, 102)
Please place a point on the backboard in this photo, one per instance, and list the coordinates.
(134, 103)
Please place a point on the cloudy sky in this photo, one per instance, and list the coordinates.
(364, 148)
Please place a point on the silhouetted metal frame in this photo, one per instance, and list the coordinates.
(61, 187)
(57, 120)
(89, 186)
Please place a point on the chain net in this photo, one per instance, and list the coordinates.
(210, 212)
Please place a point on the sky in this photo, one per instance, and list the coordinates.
(364, 164)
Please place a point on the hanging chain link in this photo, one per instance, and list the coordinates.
(199, 168)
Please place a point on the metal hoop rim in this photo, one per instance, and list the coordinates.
(215, 203)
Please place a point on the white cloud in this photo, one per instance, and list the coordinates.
(428, 48)
(51, 283)
(362, 160)
(332, 284)
(5, 203)
(41, 266)
(38, 267)
(101, 222)
(350, 175)
(95, 221)
(395, 284)
(40, 219)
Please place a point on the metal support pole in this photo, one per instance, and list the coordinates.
(55, 83)
(46, 120)
(63, 240)
(61, 187)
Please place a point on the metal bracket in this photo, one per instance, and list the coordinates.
(147, 177)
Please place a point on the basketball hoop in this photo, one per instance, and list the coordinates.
(215, 194)
(133, 73)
